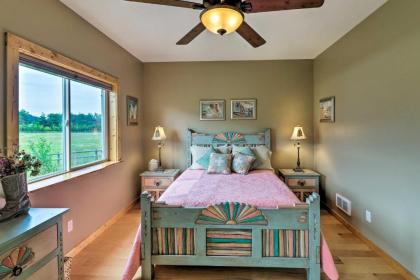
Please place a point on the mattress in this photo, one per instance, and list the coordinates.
(260, 188)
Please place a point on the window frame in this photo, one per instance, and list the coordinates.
(18, 48)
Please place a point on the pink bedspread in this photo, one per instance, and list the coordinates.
(195, 188)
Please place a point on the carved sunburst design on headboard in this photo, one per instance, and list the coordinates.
(229, 138)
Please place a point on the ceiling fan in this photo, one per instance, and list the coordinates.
(226, 16)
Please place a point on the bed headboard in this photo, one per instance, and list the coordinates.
(230, 138)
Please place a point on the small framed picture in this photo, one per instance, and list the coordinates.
(327, 109)
(132, 110)
(243, 109)
(212, 110)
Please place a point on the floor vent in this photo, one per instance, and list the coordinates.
(343, 203)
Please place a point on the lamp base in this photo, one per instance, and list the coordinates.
(298, 169)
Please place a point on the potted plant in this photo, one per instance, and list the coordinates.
(13, 175)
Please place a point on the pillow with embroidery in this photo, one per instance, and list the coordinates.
(249, 152)
(242, 163)
(220, 164)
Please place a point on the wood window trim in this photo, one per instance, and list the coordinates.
(15, 46)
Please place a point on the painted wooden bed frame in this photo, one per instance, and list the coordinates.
(230, 234)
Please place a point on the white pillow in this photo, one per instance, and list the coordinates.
(197, 152)
(263, 155)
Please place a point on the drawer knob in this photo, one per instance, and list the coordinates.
(301, 183)
(157, 183)
(17, 270)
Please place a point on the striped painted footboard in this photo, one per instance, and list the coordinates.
(173, 241)
(229, 242)
(231, 234)
(285, 243)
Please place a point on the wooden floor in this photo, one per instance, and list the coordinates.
(105, 258)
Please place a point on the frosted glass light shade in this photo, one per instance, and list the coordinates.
(298, 134)
(159, 134)
(222, 19)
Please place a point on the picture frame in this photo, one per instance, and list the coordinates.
(132, 110)
(212, 110)
(243, 109)
(327, 109)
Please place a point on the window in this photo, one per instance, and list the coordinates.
(62, 118)
(62, 111)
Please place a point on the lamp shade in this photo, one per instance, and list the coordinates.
(159, 134)
(298, 133)
(222, 19)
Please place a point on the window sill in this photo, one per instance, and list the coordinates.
(69, 176)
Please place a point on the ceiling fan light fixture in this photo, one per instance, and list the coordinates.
(222, 19)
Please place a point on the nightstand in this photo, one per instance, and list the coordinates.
(156, 182)
(301, 183)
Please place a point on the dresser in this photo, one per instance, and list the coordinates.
(156, 182)
(301, 183)
(31, 246)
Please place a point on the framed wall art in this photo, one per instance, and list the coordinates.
(327, 109)
(243, 109)
(212, 110)
(132, 110)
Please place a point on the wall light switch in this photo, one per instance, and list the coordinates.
(70, 226)
(368, 216)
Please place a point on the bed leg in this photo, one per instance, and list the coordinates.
(314, 270)
(146, 237)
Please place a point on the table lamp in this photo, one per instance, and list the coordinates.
(159, 135)
(297, 136)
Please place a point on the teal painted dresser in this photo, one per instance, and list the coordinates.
(31, 246)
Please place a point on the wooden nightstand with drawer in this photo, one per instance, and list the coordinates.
(156, 182)
(301, 183)
(31, 246)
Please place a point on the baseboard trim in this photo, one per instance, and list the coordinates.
(390, 260)
(82, 245)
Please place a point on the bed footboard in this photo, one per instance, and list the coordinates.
(231, 234)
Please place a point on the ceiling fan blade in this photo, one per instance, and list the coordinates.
(192, 34)
(250, 35)
(174, 3)
(258, 6)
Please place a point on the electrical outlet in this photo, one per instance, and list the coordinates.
(368, 216)
(70, 226)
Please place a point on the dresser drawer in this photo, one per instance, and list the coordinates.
(302, 182)
(157, 183)
(49, 271)
(30, 252)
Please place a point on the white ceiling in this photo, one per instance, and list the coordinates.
(150, 32)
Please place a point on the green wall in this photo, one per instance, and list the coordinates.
(371, 154)
(283, 90)
(96, 197)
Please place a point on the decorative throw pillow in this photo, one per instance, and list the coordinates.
(205, 159)
(197, 153)
(263, 154)
(242, 163)
(220, 164)
(249, 152)
(224, 149)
